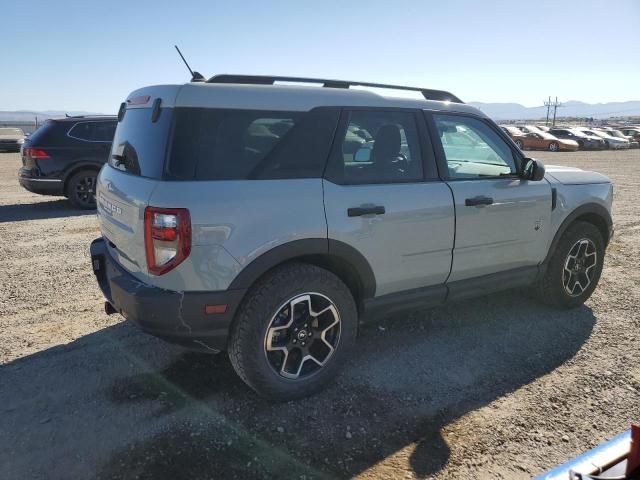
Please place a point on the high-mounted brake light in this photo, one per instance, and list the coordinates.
(36, 153)
(167, 238)
(138, 100)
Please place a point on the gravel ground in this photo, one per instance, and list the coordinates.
(497, 387)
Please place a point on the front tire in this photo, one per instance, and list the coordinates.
(293, 331)
(574, 269)
(554, 147)
(520, 144)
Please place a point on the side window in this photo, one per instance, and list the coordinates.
(103, 131)
(377, 147)
(216, 144)
(473, 149)
(82, 131)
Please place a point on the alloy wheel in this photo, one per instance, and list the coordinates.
(85, 190)
(302, 336)
(579, 267)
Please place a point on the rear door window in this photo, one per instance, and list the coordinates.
(375, 147)
(82, 131)
(222, 144)
(104, 131)
(93, 131)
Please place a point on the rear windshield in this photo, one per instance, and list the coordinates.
(45, 134)
(224, 144)
(139, 145)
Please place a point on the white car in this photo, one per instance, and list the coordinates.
(612, 142)
(618, 134)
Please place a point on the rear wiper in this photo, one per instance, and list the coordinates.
(120, 159)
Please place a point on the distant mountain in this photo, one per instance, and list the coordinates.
(515, 111)
(30, 116)
(497, 111)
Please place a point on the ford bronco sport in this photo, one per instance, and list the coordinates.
(265, 219)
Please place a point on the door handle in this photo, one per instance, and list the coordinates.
(359, 211)
(476, 201)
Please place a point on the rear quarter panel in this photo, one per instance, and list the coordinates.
(234, 222)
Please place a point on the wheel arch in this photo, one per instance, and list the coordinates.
(593, 213)
(68, 175)
(338, 257)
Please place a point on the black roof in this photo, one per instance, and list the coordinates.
(93, 118)
(427, 93)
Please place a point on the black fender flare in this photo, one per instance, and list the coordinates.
(309, 247)
(586, 209)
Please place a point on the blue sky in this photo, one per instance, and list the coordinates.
(88, 55)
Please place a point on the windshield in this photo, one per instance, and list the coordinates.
(11, 131)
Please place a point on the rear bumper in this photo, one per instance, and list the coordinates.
(41, 185)
(177, 317)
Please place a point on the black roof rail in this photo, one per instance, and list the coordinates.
(427, 93)
(89, 115)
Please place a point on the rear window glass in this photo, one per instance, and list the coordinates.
(46, 134)
(221, 144)
(139, 145)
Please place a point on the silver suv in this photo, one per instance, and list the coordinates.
(268, 220)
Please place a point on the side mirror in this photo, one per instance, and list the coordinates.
(533, 170)
(363, 154)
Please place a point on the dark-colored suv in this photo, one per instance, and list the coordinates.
(585, 142)
(64, 156)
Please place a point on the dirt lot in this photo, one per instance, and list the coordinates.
(499, 386)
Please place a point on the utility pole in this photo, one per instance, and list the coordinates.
(548, 105)
(555, 108)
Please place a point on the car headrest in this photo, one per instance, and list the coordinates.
(387, 143)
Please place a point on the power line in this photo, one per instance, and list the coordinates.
(555, 106)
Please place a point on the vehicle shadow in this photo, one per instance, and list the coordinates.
(40, 210)
(120, 404)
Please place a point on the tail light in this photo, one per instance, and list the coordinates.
(167, 238)
(35, 153)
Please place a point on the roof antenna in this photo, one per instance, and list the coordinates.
(195, 76)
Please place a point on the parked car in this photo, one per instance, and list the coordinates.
(545, 141)
(612, 132)
(633, 132)
(11, 139)
(529, 129)
(612, 142)
(512, 131)
(585, 142)
(544, 128)
(236, 215)
(63, 157)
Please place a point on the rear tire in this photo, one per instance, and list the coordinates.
(520, 144)
(295, 312)
(554, 147)
(81, 189)
(574, 269)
